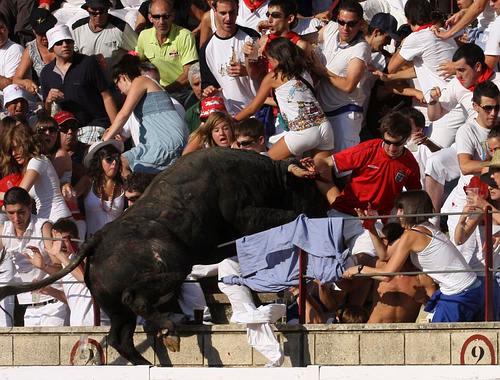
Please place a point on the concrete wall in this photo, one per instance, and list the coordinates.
(225, 345)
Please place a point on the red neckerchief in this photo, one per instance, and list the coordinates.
(485, 75)
(292, 36)
(424, 27)
(253, 5)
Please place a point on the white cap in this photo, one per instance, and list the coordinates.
(13, 92)
(58, 33)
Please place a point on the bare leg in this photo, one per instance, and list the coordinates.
(279, 151)
(435, 191)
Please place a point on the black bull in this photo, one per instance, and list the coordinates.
(136, 263)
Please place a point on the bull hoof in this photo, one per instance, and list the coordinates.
(172, 342)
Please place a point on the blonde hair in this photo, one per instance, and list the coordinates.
(204, 132)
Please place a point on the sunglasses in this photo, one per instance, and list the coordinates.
(165, 16)
(67, 128)
(111, 159)
(133, 199)
(245, 143)
(98, 12)
(349, 24)
(395, 143)
(275, 15)
(47, 129)
(59, 43)
(488, 109)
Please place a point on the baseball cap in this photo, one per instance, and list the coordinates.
(387, 23)
(64, 116)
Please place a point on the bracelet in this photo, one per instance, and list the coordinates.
(360, 268)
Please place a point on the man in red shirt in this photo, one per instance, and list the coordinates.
(381, 168)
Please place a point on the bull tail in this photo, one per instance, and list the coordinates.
(85, 250)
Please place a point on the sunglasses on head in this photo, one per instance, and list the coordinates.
(349, 24)
(395, 143)
(165, 16)
(47, 129)
(59, 43)
(488, 109)
(111, 159)
(274, 15)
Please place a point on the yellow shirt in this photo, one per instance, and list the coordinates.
(178, 50)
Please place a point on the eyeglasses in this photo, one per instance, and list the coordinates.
(349, 24)
(97, 12)
(59, 43)
(395, 143)
(275, 15)
(488, 109)
(245, 143)
(165, 16)
(66, 128)
(47, 129)
(111, 159)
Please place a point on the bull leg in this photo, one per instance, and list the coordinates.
(121, 337)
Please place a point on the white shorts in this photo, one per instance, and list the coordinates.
(443, 165)
(318, 138)
(346, 129)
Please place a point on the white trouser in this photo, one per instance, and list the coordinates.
(346, 129)
(260, 334)
(445, 129)
(52, 314)
(443, 165)
(7, 304)
(191, 295)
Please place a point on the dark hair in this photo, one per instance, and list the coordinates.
(66, 225)
(3, 21)
(418, 12)
(352, 6)
(129, 65)
(8, 122)
(471, 53)
(396, 124)
(215, 2)
(291, 61)
(487, 89)
(415, 115)
(392, 231)
(352, 314)
(250, 127)
(289, 7)
(138, 181)
(414, 202)
(44, 120)
(494, 132)
(17, 195)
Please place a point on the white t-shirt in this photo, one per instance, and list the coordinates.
(113, 42)
(10, 57)
(471, 139)
(215, 58)
(46, 191)
(427, 52)
(337, 56)
(250, 19)
(24, 270)
(79, 301)
(493, 43)
(454, 93)
(372, 7)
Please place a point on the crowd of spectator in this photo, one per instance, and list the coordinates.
(388, 105)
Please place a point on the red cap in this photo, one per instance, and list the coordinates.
(211, 104)
(63, 116)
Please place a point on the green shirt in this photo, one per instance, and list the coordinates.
(192, 117)
(178, 50)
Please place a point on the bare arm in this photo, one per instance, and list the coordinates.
(29, 179)
(268, 83)
(468, 165)
(348, 83)
(466, 18)
(466, 226)
(137, 90)
(193, 144)
(109, 105)
(205, 28)
(396, 63)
